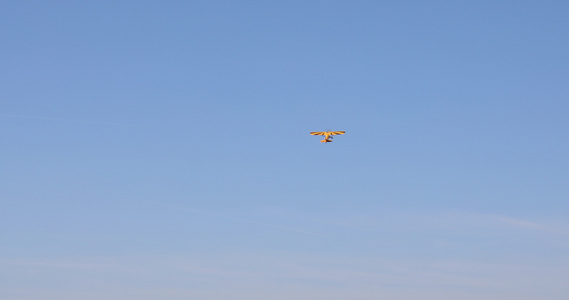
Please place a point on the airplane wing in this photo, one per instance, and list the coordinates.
(318, 133)
(336, 132)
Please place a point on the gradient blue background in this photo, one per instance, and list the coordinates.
(160, 150)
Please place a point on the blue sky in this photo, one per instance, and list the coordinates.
(160, 150)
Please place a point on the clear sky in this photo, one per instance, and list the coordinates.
(161, 150)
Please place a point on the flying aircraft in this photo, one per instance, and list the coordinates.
(328, 135)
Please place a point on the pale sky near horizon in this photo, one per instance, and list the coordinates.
(161, 150)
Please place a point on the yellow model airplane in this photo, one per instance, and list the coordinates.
(328, 135)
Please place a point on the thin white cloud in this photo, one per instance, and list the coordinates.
(269, 275)
(528, 224)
